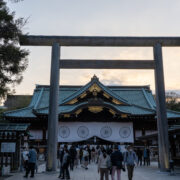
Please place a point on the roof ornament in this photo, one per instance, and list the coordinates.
(94, 77)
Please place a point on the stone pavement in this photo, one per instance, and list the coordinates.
(140, 173)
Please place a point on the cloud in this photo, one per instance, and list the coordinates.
(120, 18)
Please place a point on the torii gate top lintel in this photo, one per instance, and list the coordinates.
(129, 41)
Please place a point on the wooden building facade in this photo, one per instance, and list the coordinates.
(13, 136)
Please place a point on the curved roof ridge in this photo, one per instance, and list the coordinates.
(114, 94)
(153, 110)
(16, 110)
(118, 108)
(35, 93)
(94, 79)
(77, 92)
(177, 112)
(145, 95)
(77, 106)
(39, 97)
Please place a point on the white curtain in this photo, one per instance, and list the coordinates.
(80, 131)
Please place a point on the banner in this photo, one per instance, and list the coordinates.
(80, 131)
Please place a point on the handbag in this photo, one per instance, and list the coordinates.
(123, 168)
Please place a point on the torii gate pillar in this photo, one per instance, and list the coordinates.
(162, 123)
(53, 110)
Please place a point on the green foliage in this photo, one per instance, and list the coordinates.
(13, 59)
(17, 101)
(173, 101)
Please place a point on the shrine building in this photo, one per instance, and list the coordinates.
(93, 113)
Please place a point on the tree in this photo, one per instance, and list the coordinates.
(13, 59)
(173, 101)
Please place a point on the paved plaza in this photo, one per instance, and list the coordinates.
(141, 173)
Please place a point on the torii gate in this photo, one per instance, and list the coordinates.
(56, 64)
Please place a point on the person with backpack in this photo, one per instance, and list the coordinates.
(130, 159)
(65, 164)
(117, 163)
(103, 164)
(32, 158)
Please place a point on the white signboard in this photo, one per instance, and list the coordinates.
(80, 131)
(36, 134)
(8, 147)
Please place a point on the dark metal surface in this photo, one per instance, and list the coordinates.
(106, 64)
(39, 40)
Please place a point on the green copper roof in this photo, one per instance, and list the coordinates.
(133, 109)
(20, 113)
(138, 100)
(95, 80)
(13, 127)
(173, 114)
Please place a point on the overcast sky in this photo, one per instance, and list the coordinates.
(101, 18)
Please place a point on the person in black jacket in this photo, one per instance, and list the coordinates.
(117, 163)
(139, 155)
(72, 153)
(148, 157)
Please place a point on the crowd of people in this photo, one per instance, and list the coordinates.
(110, 160)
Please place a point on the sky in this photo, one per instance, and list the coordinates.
(100, 18)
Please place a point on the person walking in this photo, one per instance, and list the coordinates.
(139, 155)
(61, 154)
(72, 153)
(99, 151)
(148, 157)
(145, 156)
(103, 166)
(65, 165)
(25, 158)
(130, 160)
(76, 161)
(81, 155)
(93, 154)
(32, 158)
(89, 151)
(117, 163)
(85, 158)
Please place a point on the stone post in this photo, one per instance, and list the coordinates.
(53, 110)
(162, 123)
